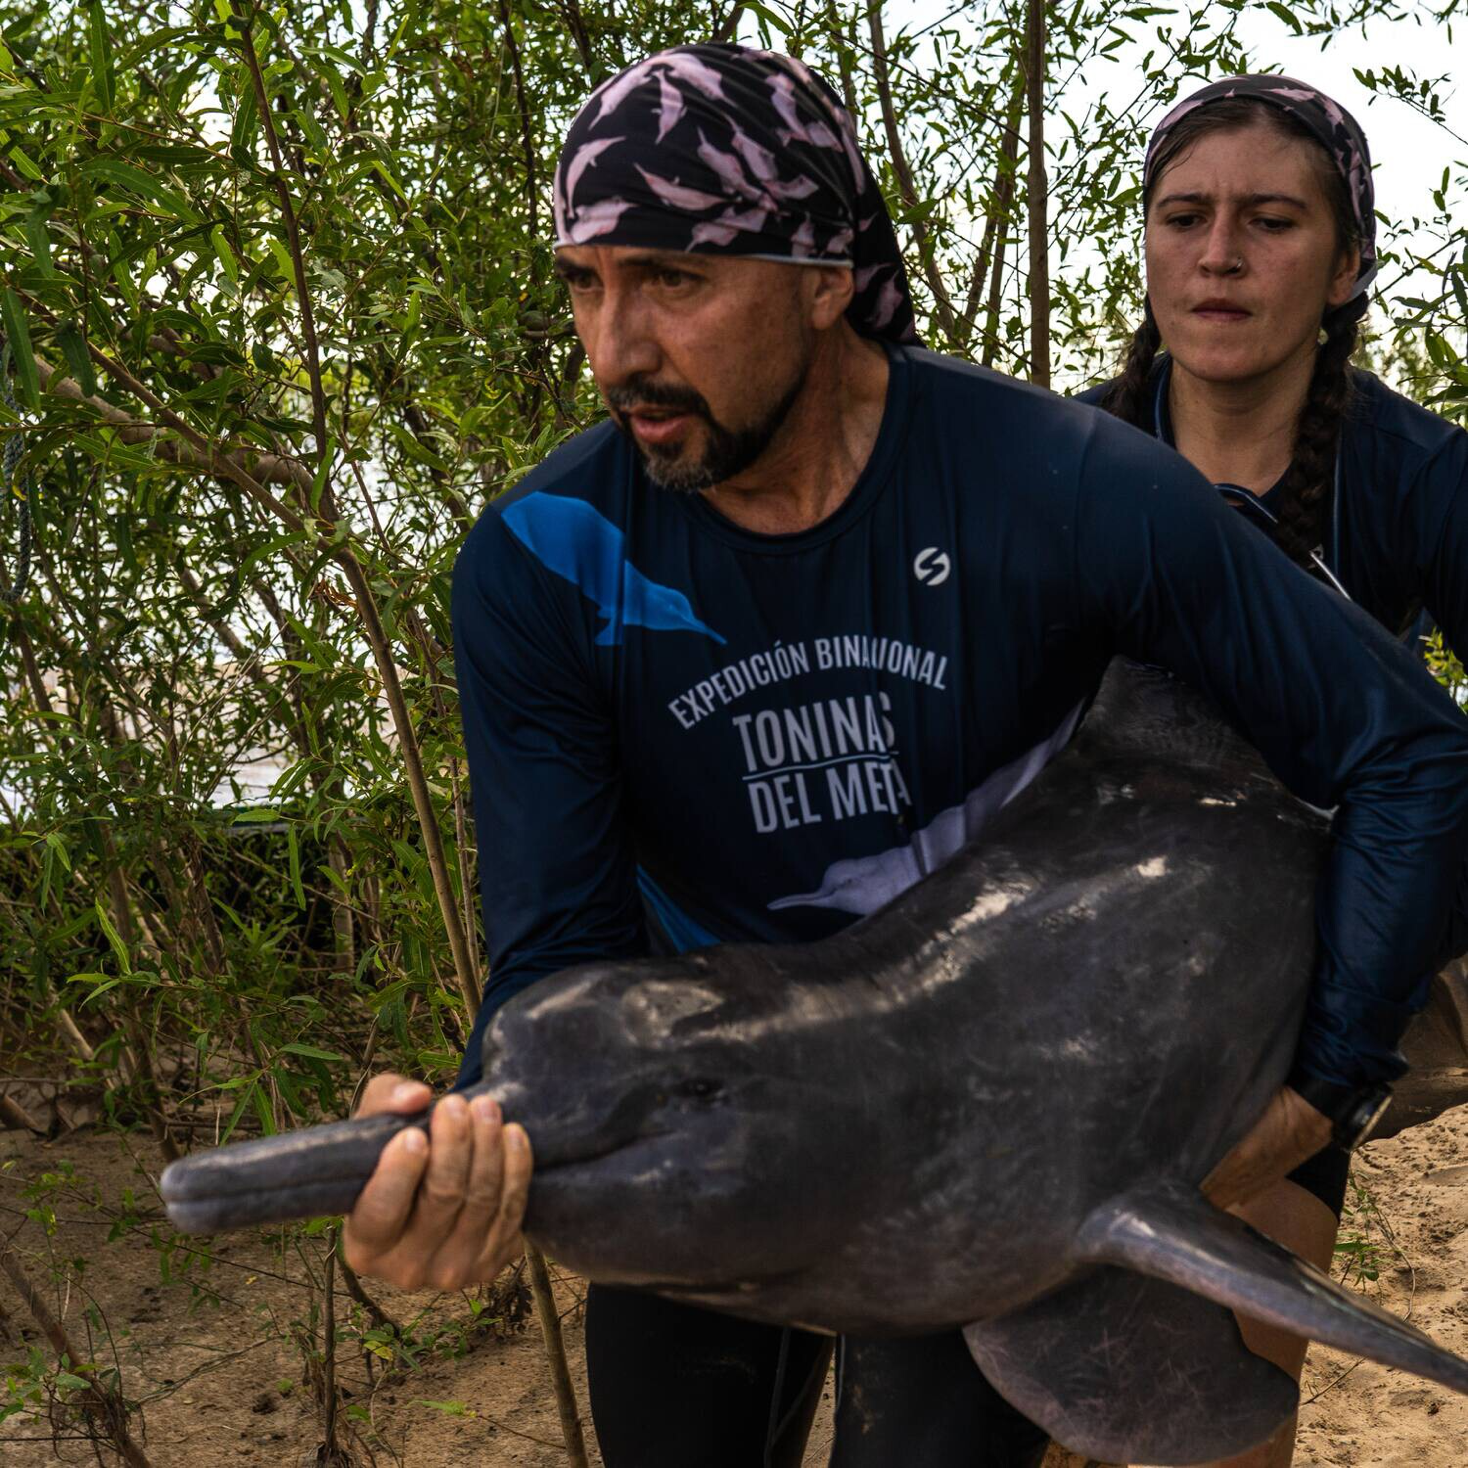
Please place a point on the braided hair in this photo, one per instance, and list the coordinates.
(1304, 492)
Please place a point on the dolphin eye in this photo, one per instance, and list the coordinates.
(699, 1089)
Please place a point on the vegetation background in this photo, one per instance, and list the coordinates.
(279, 319)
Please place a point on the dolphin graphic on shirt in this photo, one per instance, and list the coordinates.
(576, 542)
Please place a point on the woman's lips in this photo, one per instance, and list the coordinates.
(1221, 312)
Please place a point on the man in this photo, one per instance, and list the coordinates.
(750, 658)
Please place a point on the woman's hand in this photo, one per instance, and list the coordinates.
(443, 1211)
(1290, 1131)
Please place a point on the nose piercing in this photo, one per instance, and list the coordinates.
(1237, 266)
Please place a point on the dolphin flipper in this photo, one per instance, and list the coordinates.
(1170, 1231)
(1132, 1370)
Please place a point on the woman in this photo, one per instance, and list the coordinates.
(1260, 249)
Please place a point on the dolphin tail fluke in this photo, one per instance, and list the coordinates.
(1125, 1369)
(310, 1173)
(1170, 1231)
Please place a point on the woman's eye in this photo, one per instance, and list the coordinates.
(1275, 226)
(1182, 221)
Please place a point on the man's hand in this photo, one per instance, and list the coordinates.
(1290, 1131)
(444, 1212)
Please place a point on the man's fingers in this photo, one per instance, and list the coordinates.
(482, 1186)
(514, 1191)
(441, 1194)
(390, 1092)
(459, 1259)
(377, 1222)
(505, 1243)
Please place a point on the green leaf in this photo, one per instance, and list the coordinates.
(295, 857)
(771, 18)
(22, 358)
(246, 124)
(119, 948)
(39, 239)
(54, 841)
(24, 166)
(226, 256)
(101, 43)
(101, 983)
(240, 1107)
(74, 348)
(1287, 16)
(136, 181)
(332, 78)
(282, 256)
(311, 1052)
(261, 1103)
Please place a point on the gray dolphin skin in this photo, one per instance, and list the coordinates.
(988, 1105)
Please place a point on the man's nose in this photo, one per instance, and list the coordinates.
(622, 344)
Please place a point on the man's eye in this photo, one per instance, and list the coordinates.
(672, 278)
(1274, 225)
(1181, 221)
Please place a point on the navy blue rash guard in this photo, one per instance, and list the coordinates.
(1396, 532)
(1396, 535)
(682, 733)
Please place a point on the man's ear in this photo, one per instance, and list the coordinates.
(828, 292)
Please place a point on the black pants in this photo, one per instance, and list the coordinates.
(677, 1387)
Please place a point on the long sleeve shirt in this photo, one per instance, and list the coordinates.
(683, 733)
(1395, 534)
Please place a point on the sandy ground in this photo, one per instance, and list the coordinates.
(212, 1355)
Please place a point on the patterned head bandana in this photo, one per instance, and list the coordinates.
(730, 151)
(1332, 126)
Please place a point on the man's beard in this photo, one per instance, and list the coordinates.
(726, 451)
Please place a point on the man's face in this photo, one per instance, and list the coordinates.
(698, 358)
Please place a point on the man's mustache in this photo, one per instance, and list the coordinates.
(658, 395)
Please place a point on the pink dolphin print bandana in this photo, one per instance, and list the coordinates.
(1337, 131)
(727, 150)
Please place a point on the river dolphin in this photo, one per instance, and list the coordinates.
(988, 1105)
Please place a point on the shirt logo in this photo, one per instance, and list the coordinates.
(932, 566)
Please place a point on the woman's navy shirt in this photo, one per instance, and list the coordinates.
(1397, 531)
(681, 733)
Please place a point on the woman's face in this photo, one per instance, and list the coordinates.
(1242, 254)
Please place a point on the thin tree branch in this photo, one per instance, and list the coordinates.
(15, 1116)
(942, 302)
(335, 539)
(99, 1402)
(525, 141)
(555, 1351)
(996, 223)
(1038, 196)
(576, 24)
(726, 28)
(297, 253)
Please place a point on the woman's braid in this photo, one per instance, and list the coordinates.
(1130, 398)
(1304, 492)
